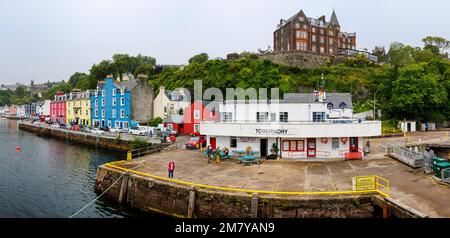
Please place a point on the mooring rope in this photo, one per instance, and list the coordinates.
(95, 199)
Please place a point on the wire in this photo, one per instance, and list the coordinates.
(95, 199)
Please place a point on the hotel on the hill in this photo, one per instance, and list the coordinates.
(302, 125)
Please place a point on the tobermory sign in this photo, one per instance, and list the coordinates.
(271, 131)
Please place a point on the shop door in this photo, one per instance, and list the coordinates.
(408, 125)
(311, 150)
(353, 144)
(263, 147)
(212, 142)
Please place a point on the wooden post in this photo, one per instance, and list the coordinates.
(386, 211)
(254, 205)
(191, 204)
(123, 188)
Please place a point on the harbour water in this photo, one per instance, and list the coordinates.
(50, 177)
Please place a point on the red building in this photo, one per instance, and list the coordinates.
(58, 108)
(195, 113)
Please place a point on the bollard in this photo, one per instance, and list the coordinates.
(254, 205)
(386, 211)
(123, 188)
(191, 204)
(129, 156)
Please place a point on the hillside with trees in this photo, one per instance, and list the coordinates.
(407, 83)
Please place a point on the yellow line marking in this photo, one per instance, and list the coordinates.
(349, 192)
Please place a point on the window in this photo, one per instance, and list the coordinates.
(283, 117)
(330, 33)
(293, 145)
(114, 113)
(122, 113)
(330, 41)
(273, 116)
(122, 91)
(318, 116)
(233, 142)
(301, 18)
(330, 51)
(342, 105)
(125, 124)
(335, 143)
(314, 49)
(321, 31)
(301, 46)
(114, 91)
(103, 102)
(117, 124)
(109, 123)
(96, 102)
(330, 106)
(313, 38)
(196, 114)
(196, 127)
(302, 34)
(96, 94)
(297, 25)
(122, 101)
(114, 101)
(322, 39)
(227, 116)
(103, 113)
(314, 30)
(262, 116)
(87, 112)
(322, 49)
(103, 93)
(304, 27)
(96, 112)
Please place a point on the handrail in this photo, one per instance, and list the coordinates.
(204, 186)
(342, 121)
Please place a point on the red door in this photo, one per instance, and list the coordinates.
(212, 142)
(311, 148)
(353, 144)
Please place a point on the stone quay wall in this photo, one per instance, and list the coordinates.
(77, 137)
(177, 200)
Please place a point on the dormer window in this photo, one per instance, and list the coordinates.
(103, 93)
(122, 90)
(330, 106)
(342, 105)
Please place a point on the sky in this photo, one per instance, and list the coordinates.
(49, 40)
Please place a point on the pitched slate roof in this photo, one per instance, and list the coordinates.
(333, 19)
(335, 98)
(129, 85)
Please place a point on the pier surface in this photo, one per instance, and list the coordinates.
(408, 186)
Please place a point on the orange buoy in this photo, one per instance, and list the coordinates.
(17, 148)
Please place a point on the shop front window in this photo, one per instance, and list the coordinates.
(233, 142)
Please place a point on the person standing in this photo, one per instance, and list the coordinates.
(171, 168)
(209, 152)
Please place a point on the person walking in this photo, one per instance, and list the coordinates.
(209, 152)
(171, 168)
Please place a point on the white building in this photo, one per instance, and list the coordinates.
(302, 125)
(168, 103)
(408, 126)
(21, 111)
(43, 108)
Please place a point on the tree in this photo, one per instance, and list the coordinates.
(146, 69)
(399, 54)
(380, 52)
(76, 77)
(101, 70)
(200, 58)
(20, 91)
(435, 44)
(155, 121)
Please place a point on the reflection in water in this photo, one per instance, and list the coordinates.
(49, 177)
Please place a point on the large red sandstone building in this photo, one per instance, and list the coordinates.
(305, 34)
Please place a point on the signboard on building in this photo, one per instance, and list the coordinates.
(248, 139)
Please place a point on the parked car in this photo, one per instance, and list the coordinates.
(194, 142)
(138, 130)
(85, 129)
(97, 131)
(116, 130)
(55, 125)
(105, 128)
(76, 128)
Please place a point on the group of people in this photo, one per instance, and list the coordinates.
(215, 153)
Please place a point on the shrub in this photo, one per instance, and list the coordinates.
(138, 143)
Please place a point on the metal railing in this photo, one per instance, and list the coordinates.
(408, 156)
(445, 175)
(139, 152)
(340, 121)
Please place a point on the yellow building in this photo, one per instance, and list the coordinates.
(78, 108)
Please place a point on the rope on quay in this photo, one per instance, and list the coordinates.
(99, 196)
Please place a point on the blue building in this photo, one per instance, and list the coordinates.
(111, 104)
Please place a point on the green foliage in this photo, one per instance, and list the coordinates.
(137, 143)
(437, 45)
(155, 121)
(200, 58)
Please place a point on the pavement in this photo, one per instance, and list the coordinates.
(409, 186)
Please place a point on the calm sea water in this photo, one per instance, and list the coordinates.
(50, 177)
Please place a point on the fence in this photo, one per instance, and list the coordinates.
(136, 153)
(409, 156)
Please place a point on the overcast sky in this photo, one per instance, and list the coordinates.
(51, 39)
